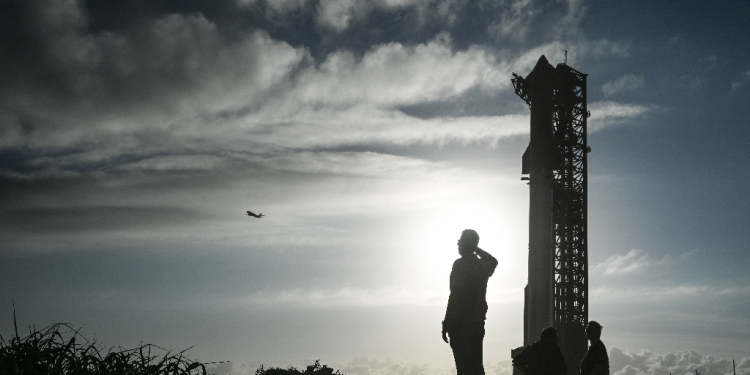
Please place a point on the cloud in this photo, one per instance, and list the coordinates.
(337, 14)
(625, 83)
(670, 293)
(174, 199)
(393, 73)
(256, 94)
(522, 20)
(312, 298)
(740, 81)
(606, 114)
(151, 93)
(517, 21)
(678, 363)
(514, 22)
(114, 85)
(568, 24)
(306, 298)
(639, 261)
(618, 264)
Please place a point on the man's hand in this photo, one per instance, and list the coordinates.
(445, 337)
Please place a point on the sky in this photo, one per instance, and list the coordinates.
(134, 136)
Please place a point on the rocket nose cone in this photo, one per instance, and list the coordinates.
(542, 61)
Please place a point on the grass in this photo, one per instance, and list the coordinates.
(61, 350)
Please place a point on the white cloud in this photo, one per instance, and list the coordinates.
(630, 82)
(679, 363)
(618, 264)
(366, 125)
(640, 260)
(395, 74)
(606, 114)
(176, 86)
(338, 13)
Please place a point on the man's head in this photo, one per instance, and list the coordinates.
(549, 334)
(468, 242)
(594, 330)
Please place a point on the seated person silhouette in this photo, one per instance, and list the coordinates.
(467, 304)
(542, 357)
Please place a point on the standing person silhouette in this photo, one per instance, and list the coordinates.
(542, 357)
(467, 304)
(596, 360)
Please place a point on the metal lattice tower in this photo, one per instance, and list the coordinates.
(569, 213)
(564, 157)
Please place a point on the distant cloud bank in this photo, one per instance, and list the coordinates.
(622, 362)
(679, 363)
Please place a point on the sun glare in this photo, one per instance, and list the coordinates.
(500, 221)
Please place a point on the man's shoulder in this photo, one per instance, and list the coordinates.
(599, 346)
(465, 261)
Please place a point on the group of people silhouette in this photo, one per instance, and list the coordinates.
(463, 326)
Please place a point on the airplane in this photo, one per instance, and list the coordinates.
(260, 215)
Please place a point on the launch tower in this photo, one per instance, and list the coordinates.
(557, 290)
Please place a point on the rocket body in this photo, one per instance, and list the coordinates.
(539, 293)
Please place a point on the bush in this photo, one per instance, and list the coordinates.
(315, 369)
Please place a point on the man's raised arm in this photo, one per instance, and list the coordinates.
(489, 260)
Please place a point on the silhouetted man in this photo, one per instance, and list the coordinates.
(596, 360)
(467, 304)
(542, 357)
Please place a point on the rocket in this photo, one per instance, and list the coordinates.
(539, 160)
(555, 161)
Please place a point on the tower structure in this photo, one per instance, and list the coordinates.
(557, 290)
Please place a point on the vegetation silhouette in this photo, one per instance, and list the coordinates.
(316, 369)
(59, 349)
